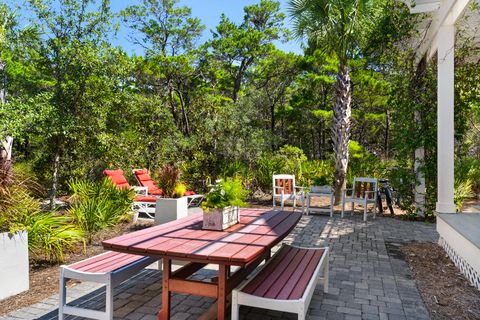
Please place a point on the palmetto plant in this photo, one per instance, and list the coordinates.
(336, 27)
(51, 235)
(98, 205)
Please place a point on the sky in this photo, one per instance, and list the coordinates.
(208, 11)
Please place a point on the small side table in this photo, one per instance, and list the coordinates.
(320, 193)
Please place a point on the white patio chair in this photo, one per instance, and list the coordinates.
(284, 188)
(364, 191)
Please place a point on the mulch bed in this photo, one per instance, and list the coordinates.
(44, 276)
(445, 291)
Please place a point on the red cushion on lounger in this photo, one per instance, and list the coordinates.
(146, 181)
(189, 193)
(145, 199)
(117, 178)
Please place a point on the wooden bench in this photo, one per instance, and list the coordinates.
(109, 268)
(286, 282)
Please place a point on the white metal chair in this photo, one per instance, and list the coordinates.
(284, 188)
(364, 191)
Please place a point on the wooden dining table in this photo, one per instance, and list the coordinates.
(245, 244)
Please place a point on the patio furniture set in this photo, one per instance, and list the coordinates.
(364, 191)
(285, 282)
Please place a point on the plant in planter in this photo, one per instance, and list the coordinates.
(174, 205)
(221, 205)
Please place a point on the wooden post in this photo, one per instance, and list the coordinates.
(222, 292)
(164, 314)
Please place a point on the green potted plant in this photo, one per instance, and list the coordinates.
(221, 205)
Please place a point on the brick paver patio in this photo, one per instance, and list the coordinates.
(368, 277)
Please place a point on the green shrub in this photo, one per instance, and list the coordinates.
(51, 235)
(98, 205)
(463, 191)
(16, 199)
(267, 165)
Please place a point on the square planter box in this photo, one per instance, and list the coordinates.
(220, 219)
(13, 263)
(170, 209)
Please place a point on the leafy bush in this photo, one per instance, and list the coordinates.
(362, 162)
(50, 235)
(288, 159)
(16, 200)
(267, 165)
(229, 192)
(314, 170)
(463, 191)
(98, 205)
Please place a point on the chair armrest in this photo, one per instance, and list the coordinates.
(141, 190)
(301, 190)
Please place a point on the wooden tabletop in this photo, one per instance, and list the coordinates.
(184, 239)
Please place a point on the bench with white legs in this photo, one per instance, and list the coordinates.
(109, 268)
(286, 282)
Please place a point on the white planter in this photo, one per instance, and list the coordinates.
(169, 209)
(13, 263)
(220, 219)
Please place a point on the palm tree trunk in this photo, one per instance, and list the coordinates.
(341, 127)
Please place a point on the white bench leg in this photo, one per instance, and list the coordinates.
(301, 313)
(325, 273)
(235, 306)
(365, 212)
(63, 295)
(109, 300)
(343, 205)
(353, 208)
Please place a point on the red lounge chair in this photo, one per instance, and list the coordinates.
(142, 201)
(145, 180)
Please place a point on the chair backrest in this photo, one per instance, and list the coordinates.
(361, 184)
(285, 182)
(117, 178)
(145, 180)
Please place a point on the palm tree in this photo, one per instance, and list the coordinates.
(336, 27)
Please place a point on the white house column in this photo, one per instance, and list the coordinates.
(445, 116)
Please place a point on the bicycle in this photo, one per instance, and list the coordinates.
(387, 190)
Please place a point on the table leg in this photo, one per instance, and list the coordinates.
(164, 314)
(222, 291)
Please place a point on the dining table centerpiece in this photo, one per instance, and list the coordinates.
(221, 206)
